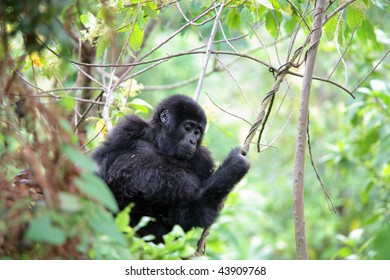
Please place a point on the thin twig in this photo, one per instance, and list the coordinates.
(225, 111)
(338, 9)
(342, 56)
(328, 199)
(325, 80)
(208, 51)
(300, 14)
(370, 72)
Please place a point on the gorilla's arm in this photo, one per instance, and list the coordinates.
(203, 211)
(220, 184)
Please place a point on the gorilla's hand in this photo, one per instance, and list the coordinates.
(236, 162)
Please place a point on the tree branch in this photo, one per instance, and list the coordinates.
(208, 51)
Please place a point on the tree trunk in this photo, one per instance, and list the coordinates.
(299, 213)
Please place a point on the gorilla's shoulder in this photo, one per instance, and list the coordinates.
(131, 122)
(130, 127)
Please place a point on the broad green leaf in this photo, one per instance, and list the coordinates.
(141, 105)
(141, 19)
(354, 17)
(136, 38)
(330, 28)
(150, 12)
(272, 24)
(95, 188)
(366, 33)
(234, 20)
(40, 229)
(276, 5)
(80, 160)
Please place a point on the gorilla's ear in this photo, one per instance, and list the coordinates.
(164, 116)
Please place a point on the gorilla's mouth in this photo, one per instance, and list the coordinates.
(184, 152)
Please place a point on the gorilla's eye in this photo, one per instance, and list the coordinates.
(197, 131)
(188, 127)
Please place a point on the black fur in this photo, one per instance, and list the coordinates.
(161, 167)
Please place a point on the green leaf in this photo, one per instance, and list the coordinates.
(354, 17)
(95, 188)
(102, 222)
(136, 38)
(150, 12)
(382, 244)
(80, 160)
(122, 220)
(272, 24)
(265, 3)
(101, 46)
(246, 16)
(141, 105)
(330, 28)
(366, 33)
(88, 20)
(41, 230)
(234, 20)
(67, 103)
(141, 19)
(69, 202)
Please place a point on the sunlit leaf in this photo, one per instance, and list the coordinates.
(354, 17)
(88, 20)
(136, 38)
(265, 3)
(272, 24)
(67, 103)
(141, 105)
(330, 28)
(234, 20)
(100, 127)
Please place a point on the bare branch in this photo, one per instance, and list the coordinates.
(225, 111)
(327, 81)
(208, 51)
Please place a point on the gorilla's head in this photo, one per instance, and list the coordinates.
(179, 123)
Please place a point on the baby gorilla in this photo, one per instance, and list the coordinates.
(161, 167)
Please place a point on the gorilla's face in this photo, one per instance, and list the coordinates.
(179, 123)
(189, 134)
